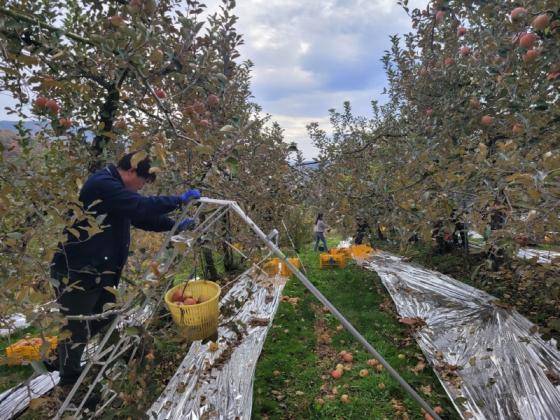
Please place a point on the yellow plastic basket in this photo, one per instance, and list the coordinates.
(360, 250)
(341, 251)
(332, 261)
(198, 321)
(285, 271)
(28, 350)
(272, 266)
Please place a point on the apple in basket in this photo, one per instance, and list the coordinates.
(190, 301)
(177, 296)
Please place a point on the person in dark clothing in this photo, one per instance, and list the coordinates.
(85, 266)
(362, 231)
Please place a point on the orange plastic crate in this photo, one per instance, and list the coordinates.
(332, 261)
(285, 271)
(341, 251)
(272, 266)
(360, 250)
(28, 349)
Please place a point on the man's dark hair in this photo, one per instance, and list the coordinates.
(142, 168)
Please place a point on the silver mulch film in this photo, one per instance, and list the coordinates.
(488, 357)
(219, 384)
(542, 256)
(15, 400)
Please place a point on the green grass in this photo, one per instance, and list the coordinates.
(303, 345)
(11, 376)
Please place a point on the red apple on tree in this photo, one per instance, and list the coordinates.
(41, 102)
(518, 13)
(440, 15)
(213, 100)
(461, 31)
(540, 22)
(487, 120)
(527, 40)
(65, 122)
(52, 106)
(465, 51)
(530, 55)
(160, 93)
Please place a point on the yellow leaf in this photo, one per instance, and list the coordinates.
(534, 194)
(138, 156)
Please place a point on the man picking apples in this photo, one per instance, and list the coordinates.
(85, 266)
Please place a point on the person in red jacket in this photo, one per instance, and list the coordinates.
(85, 266)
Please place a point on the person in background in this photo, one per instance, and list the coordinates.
(362, 231)
(86, 267)
(319, 230)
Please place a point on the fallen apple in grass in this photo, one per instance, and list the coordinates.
(379, 368)
(372, 362)
(347, 357)
(364, 373)
(345, 398)
(336, 373)
(381, 385)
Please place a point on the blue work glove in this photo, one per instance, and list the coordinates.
(187, 224)
(190, 195)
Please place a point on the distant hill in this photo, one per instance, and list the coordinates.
(11, 125)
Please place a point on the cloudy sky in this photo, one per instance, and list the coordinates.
(312, 55)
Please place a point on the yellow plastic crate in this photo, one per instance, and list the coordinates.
(29, 349)
(360, 250)
(285, 271)
(272, 266)
(341, 251)
(197, 321)
(332, 261)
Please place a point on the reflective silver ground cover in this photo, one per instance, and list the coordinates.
(219, 385)
(543, 256)
(502, 365)
(15, 400)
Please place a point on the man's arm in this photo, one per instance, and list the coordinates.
(115, 198)
(159, 223)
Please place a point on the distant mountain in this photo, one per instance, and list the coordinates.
(11, 125)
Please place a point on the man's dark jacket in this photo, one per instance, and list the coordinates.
(97, 260)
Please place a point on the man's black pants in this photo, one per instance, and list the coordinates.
(76, 301)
